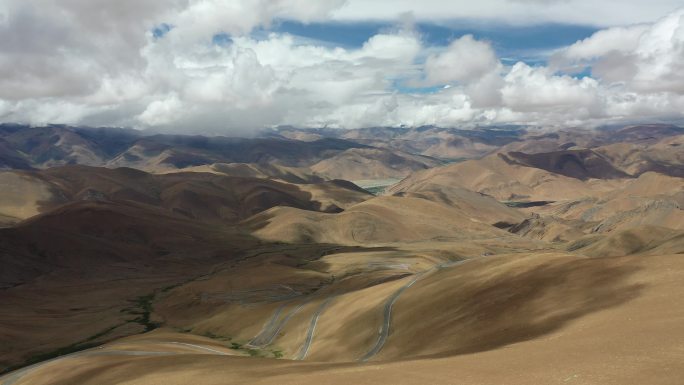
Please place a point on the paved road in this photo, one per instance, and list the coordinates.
(389, 304)
(268, 326)
(312, 328)
(199, 347)
(387, 313)
(271, 329)
(13, 377)
(265, 337)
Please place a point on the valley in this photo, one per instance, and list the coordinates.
(542, 261)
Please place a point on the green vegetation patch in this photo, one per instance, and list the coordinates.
(143, 309)
(378, 190)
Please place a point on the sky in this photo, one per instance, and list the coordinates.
(238, 66)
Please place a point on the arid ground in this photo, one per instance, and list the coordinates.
(508, 257)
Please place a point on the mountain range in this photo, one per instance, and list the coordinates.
(497, 255)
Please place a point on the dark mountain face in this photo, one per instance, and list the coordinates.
(24, 147)
(10, 158)
(193, 195)
(247, 150)
(642, 133)
(440, 142)
(579, 164)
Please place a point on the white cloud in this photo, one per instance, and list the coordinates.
(464, 61)
(620, 39)
(98, 63)
(5, 108)
(401, 47)
(647, 58)
(486, 91)
(588, 12)
(203, 19)
(529, 89)
(162, 112)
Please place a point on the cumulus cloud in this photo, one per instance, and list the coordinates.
(101, 63)
(529, 89)
(646, 58)
(464, 61)
(620, 39)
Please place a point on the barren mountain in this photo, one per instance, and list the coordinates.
(194, 195)
(533, 142)
(372, 163)
(261, 171)
(438, 142)
(540, 262)
(292, 160)
(501, 178)
(665, 156)
(382, 220)
(579, 164)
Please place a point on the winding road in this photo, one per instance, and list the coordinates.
(13, 377)
(264, 338)
(387, 313)
(256, 341)
(312, 328)
(199, 347)
(271, 329)
(389, 304)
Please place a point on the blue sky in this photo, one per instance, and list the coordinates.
(528, 43)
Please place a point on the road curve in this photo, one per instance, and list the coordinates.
(267, 335)
(199, 347)
(387, 313)
(312, 328)
(389, 304)
(268, 326)
(13, 377)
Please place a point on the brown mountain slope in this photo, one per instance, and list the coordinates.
(473, 205)
(372, 163)
(81, 269)
(642, 240)
(194, 195)
(580, 138)
(261, 171)
(93, 229)
(651, 200)
(380, 220)
(490, 321)
(570, 207)
(665, 156)
(86, 234)
(505, 181)
(167, 152)
(24, 195)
